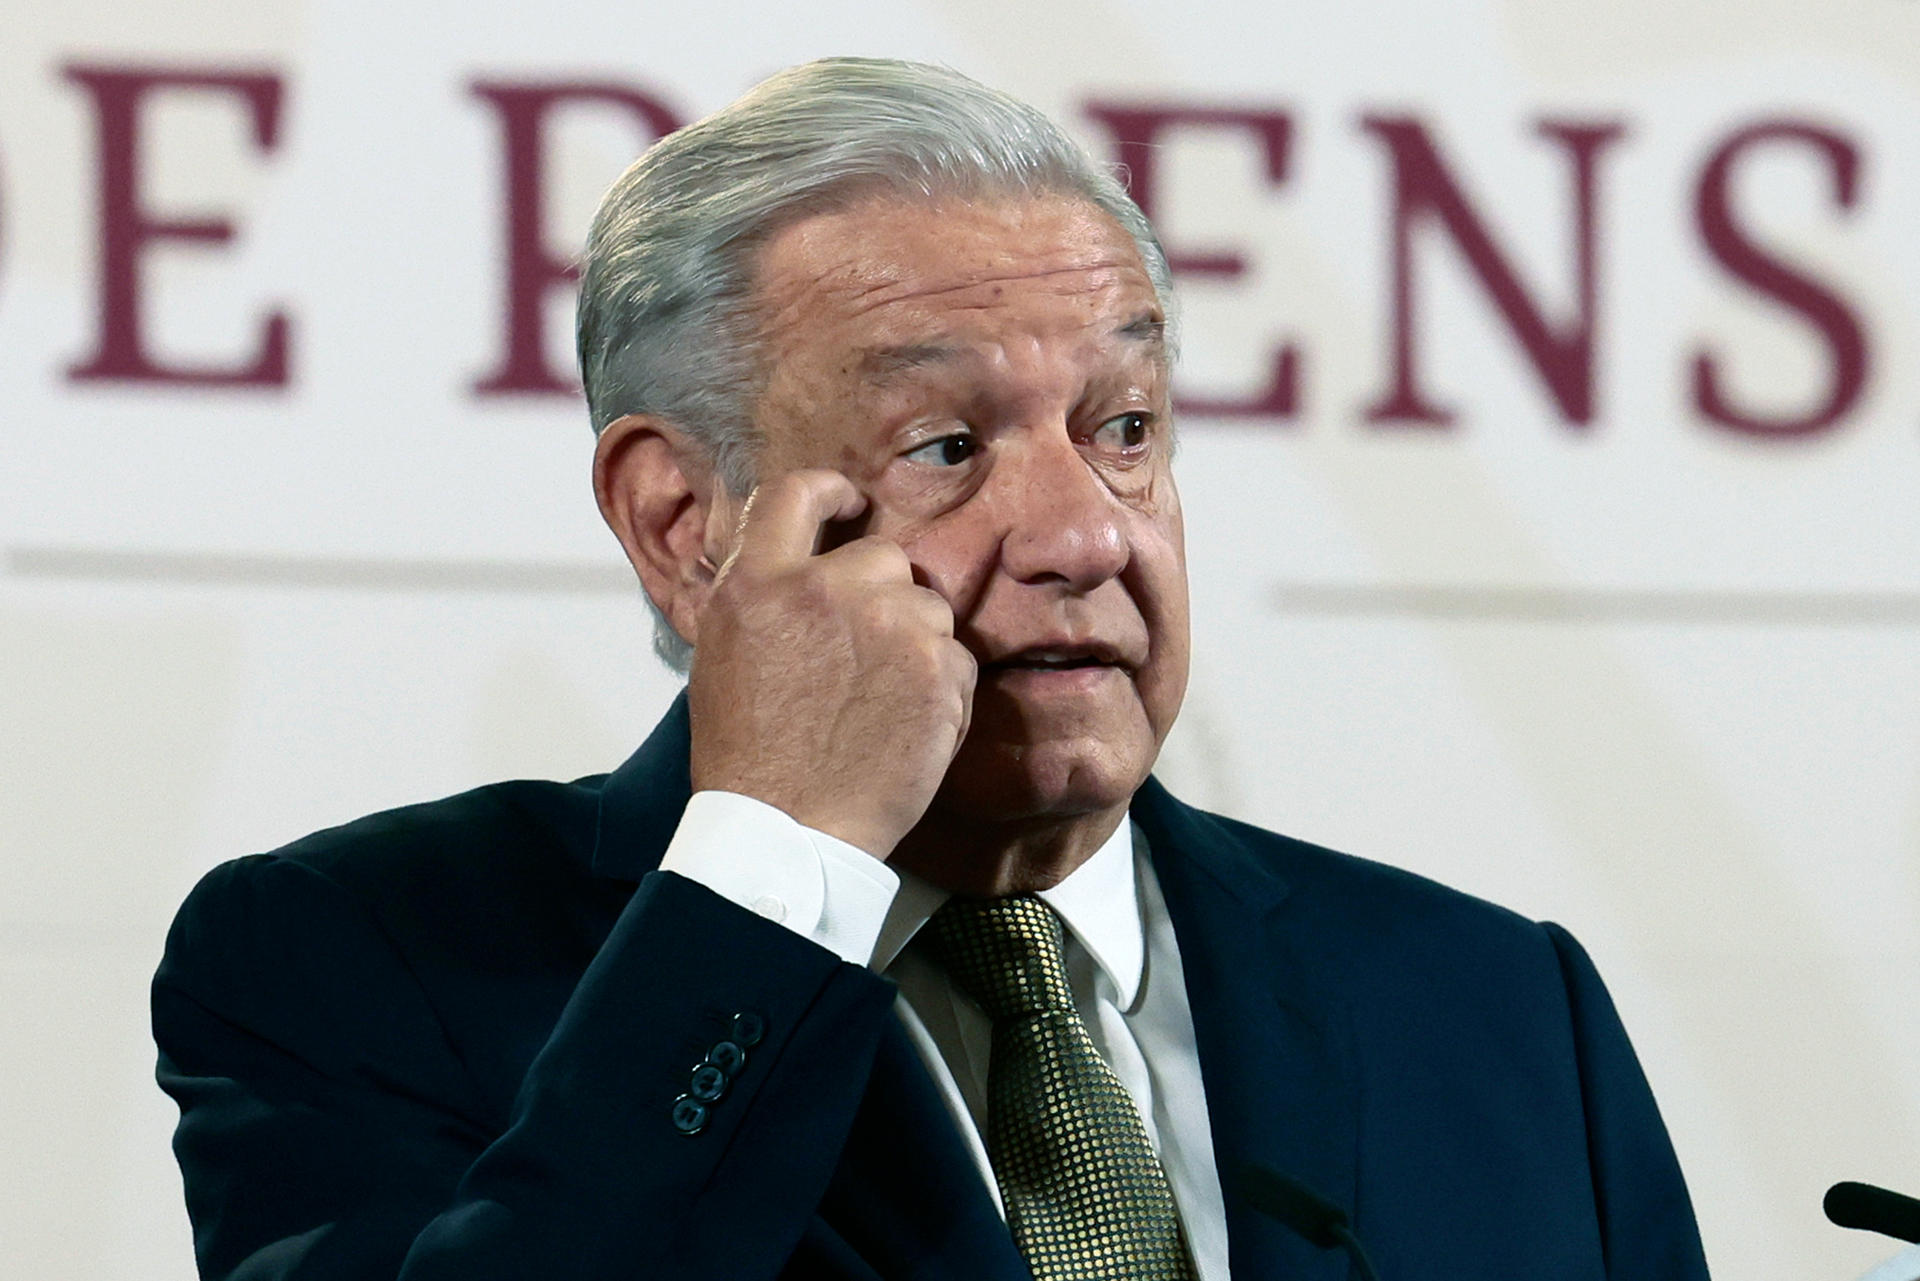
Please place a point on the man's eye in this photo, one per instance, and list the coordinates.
(1126, 431)
(948, 451)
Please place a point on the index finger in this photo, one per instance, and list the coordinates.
(783, 519)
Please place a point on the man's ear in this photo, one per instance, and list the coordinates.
(657, 490)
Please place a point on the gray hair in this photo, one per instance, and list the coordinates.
(667, 322)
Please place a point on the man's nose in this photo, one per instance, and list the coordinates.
(1061, 522)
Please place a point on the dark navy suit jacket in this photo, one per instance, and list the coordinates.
(445, 1042)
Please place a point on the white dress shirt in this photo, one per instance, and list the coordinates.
(1122, 962)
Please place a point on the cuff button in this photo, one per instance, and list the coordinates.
(707, 1085)
(748, 1028)
(728, 1057)
(689, 1115)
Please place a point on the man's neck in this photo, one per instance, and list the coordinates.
(991, 860)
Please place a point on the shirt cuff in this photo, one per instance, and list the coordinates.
(765, 860)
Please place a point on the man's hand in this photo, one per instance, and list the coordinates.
(827, 684)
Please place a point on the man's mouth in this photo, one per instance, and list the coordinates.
(1056, 659)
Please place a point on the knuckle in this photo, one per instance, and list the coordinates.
(813, 586)
(881, 556)
(936, 608)
(786, 485)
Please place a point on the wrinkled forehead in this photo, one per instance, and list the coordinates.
(889, 272)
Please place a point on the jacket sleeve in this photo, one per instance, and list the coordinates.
(1647, 1227)
(330, 1131)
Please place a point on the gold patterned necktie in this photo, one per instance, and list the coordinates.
(1085, 1195)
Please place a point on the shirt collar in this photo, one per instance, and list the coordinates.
(1099, 901)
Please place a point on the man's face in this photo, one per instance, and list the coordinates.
(993, 376)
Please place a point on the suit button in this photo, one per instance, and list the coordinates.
(689, 1115)
(708, 1084)
(728, 1057)
(748, 1028)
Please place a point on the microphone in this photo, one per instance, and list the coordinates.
(1861, 1205)
(1294, 1204)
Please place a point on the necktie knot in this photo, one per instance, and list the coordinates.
(1003, 953)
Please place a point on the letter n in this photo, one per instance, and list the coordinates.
(1424, 191)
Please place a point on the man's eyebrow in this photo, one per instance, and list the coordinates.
(1149, 328)
(882, 365)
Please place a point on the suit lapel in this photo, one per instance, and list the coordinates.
(905, 1210)
(1274, 1052)
(917, 1210)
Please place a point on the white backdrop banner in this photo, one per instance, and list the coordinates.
(1551, 449)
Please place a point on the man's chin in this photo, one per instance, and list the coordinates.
(1025, 785)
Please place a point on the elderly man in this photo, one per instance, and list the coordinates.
(884, 956)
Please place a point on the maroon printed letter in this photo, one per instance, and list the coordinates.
(126, 228)
(1137, 131)
(1845, 338)
(1563, 355)
(532, 269)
